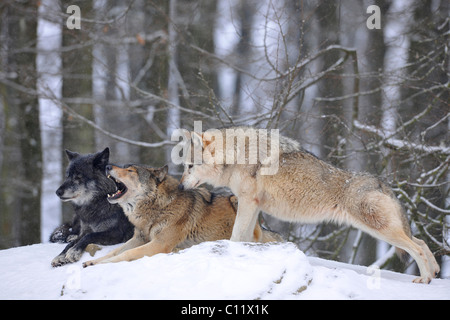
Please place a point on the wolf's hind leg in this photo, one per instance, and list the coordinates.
(383, 217)
(433, 265)
(419, 256)
(398, 238)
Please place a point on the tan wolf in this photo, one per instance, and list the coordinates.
(304, 189)
(166, 218)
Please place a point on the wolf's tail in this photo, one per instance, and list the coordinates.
(271, 236)
(263, 235)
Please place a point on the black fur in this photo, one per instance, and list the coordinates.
(96, 220)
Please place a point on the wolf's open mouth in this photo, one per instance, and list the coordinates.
(121, 189)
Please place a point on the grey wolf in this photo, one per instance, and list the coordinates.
(309, 190)
(166, 218)
(96, 221)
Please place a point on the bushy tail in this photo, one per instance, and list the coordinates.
(271, 236)
(263, 235)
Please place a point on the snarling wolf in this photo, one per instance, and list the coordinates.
(166, 218)
(305, 189)
(95, 220)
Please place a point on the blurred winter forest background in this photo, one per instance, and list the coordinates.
(361, 96)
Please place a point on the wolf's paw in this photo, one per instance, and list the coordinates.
(89, 263)
(425, 280)
(59, 261)
(71, 238)
(72, 255)
(61, 234)
(92, 249)
(58, 237)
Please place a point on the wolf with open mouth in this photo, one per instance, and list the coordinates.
(167, 218)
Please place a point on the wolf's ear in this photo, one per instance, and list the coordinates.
(101, 159)
(161, 173)
(212, 140)
(187, 134)
(197, 139)
(71, 155)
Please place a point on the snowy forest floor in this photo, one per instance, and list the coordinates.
(211, 270)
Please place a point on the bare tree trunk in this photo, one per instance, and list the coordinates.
(361, 39)
(76, 85)
(445, 269)
(49, 68)
(173, 114)
(310, 129)
(396, 39)
(21, 174)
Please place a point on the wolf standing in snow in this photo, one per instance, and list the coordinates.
(96, 220)
(302, 189)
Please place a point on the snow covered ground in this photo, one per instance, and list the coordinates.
(211, 270)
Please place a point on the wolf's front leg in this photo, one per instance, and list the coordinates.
(134, 242)
(74, 250)
(71, 253)
(245, 222)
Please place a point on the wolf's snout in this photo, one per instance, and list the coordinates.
(181, 187)
(60, 192)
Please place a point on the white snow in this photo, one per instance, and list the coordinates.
(211, 270)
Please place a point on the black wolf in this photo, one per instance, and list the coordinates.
(96, 220)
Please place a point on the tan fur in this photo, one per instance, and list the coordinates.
(167, 219)
(307, 189)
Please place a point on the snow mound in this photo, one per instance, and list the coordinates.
(211, 270)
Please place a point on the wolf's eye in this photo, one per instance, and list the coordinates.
(190, 166)
(129, 170)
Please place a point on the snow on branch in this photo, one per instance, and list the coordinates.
(434, 206)
(401, 144)
(72, 112)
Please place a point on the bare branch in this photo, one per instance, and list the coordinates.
(400, 144)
